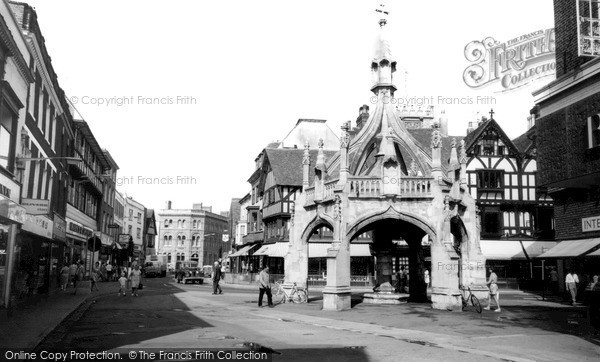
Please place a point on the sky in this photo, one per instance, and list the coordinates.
(185, 94)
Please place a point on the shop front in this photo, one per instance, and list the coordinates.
(11, 216)
(33, 257)
(77, 236)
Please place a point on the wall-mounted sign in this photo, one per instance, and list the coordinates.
(11, 210)
(39, 225)
(225, 238)
(590, 224)
(60, 228)
(79, 230)
(36, 206)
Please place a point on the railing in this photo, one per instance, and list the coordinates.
(404, 187)
(415, 186)
(365, 187)
(329, 188)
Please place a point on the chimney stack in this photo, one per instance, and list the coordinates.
(363, 115)
(169, 205)
(470, 128)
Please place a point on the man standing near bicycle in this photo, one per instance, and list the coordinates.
(494, 293)
(265, 287)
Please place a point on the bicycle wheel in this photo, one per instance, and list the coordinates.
(278, 294)
(299, 296)
(476, 303)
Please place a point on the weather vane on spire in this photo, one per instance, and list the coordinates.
(384, 13)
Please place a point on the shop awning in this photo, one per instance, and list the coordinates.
(319, 250)
(513, 249)
(243, 251)
(277, 250)
(595, 253)
(571, 248)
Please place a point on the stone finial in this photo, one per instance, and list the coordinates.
(462, 155)
(306, 156)
(320, 164)
(436, 139)
(345, 139)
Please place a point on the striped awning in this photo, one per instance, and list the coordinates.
(572, 248)
(513, 249)
(276, 250)
(243, 251)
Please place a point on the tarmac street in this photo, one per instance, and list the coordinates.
(176, 317)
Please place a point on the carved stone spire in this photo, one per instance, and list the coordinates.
(305, 166)
(320, 165)
(383, 65)
(306, 156)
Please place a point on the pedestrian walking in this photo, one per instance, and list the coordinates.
(103, 272)
(76, 274)
(265, 287)
(122, 284)
(571, 281)
(494, 293)
(403, 279)
(216, 277)
(94, 277)
(136, 278)
(64, 277)
(109, 271)
(427, 279)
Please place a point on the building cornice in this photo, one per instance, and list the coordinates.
(8, 41)
(47, 78)
(567, 81)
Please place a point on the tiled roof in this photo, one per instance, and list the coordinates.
(423, 137)
(473, 135)
(524, 141)
(286, 164)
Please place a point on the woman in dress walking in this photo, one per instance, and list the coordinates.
(135, 276)
(64, 277)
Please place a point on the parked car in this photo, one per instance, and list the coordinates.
(190, 275)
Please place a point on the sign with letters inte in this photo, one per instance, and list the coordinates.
(590, 224)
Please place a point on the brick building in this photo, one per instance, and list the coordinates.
(567, 114)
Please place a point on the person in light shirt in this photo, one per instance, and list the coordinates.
(571, 281)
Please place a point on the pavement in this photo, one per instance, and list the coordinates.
(30, 322)
(528, 328)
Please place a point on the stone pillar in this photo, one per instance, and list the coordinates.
(445, 294)
(336, 295)
(384, 267)
(337, 292)
(296, 260)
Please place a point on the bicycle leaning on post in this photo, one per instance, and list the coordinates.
(471, 298)
(295, 294)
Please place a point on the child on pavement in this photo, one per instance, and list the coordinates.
(123, 284)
